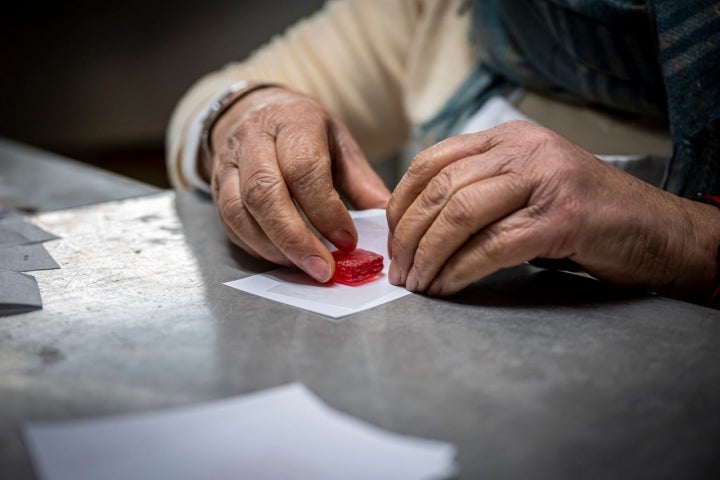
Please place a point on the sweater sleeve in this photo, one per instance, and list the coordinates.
(351, 56)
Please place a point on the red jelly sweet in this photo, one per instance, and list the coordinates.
(356, 267)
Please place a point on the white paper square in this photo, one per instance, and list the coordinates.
(282, 433)
(334, 300)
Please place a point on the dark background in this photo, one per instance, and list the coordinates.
(97, 81)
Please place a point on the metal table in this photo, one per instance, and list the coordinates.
(532, 374)
(42, 181)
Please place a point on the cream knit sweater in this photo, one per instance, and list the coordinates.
(385, 66)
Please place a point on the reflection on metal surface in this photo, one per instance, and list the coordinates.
(516, 370)
(123, 257)
(118, 311)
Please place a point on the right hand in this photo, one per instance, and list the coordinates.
(276, 147)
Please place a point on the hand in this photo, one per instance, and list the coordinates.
(476, 203)
(274, 149)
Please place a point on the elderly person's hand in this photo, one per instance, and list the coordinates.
(476, 203)
(277, 151)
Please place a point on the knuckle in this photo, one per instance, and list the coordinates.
(400, 240)
(292, 239)
(245, 129)
(306, 169)
(437, 189)
(400, 244)
(259, 189)
(455, 271)
(460, 210)
(230, 144)
(517, 125)
(532, 134)
(391, 213)
(424, 255)
(421, 165)
(225, 166)
(231, 209)
(260, 118)
(299, 114)
(486, 251)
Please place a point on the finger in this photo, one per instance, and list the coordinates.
(303, 153)
(418, 217)
(467, 212)
(428, 163)
(240, 227)
(511, 241)
(266, 197)
(354, 175)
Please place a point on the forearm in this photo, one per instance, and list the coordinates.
(659, 241)
(699, 271)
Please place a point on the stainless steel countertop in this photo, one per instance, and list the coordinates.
(532, 374)
(43, 181)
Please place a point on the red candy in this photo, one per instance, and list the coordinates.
(356, 267)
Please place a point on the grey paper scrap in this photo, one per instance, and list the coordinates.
(6, 213)
(19, 293)
(10, 238)
(16, 231)
(25, 258)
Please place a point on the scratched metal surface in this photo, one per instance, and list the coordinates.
(532, 374)
(38, 181)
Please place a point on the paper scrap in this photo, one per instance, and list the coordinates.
(334, 300)
(284, 432)
(16, 231)
(25, 258)
(10, 237)
(6, 212)
(19, 293)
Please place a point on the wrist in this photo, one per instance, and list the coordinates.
(711, 221)
(217, 110)
(699, 259)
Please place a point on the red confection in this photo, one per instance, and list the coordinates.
(356, 267)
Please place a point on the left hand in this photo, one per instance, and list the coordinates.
(476, 203)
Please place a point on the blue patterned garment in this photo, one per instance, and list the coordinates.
(649, 57)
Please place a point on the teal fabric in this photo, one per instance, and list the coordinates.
(640, 57)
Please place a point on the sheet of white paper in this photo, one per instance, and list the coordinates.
(293, 287)
(285, 432)
(495, 111)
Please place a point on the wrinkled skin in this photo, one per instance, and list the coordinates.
(476, 203)
(275, 147)
(467, 206)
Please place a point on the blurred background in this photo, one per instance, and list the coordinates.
(97, 81)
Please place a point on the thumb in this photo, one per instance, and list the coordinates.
(352, 172)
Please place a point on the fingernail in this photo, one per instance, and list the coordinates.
(435, 289)
(317, 268)
(343, 239)
(412, 280)
(394, 274)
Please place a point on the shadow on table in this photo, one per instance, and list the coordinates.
(530, 286)
(208, 241)
(524, 285)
